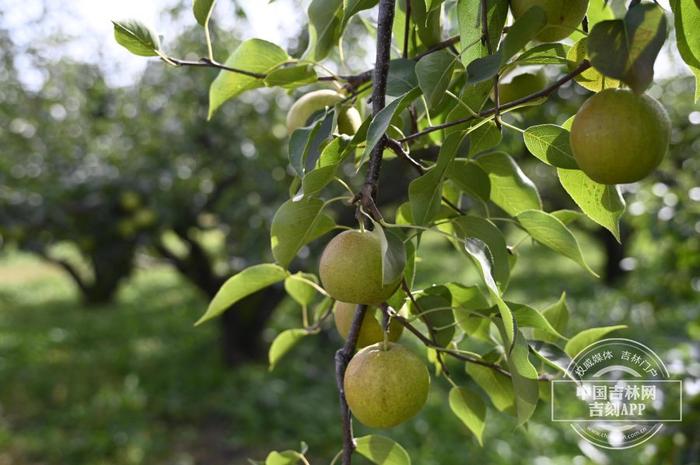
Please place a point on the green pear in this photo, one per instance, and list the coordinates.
(371, 331)
(385, 386)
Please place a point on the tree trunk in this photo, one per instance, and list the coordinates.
(241, 325)
(614, 253)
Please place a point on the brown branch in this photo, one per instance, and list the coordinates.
(453, 353)
(585, 64)
(342, 358)
(352, 80)
(367, 194)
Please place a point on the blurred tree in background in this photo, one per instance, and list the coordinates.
(85, 183)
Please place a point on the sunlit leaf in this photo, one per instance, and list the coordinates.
(242, 285)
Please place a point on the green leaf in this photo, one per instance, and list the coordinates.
(524, 379)
(314, 181)
(291, 77)
(511, 190)
(295, 224)
(567, 216)
(287, 457)
(587, 337)
(253, 55)
(687, 22)
(496, 385)
(381, 450)
(393, 253)
(481, 256)
(469, 408)
(325, 27)
(136, 37)
(468, 303)
(202, 10)
(558, 316)
(434, 72)
(402, 77)
(425, 192)
(470, 29)
(299, 289)
(486, 231)
(241, 285)
(470, 178)
(352, 7)
(550, 143)
(549, 231)
(601, 203)
(484, 138)
(440, 323)
(305, 143)
(380, 123)
(522, 31)
(283, 344)
(544, 54)
(483, 69)
(528, 317)
(626, 49)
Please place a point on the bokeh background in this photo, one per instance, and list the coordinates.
(122, 211)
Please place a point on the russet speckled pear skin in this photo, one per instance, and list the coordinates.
(386, 387)
(619, 137)
(351, 269)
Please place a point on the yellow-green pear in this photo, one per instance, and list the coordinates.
(619, 137)
(351, 269)
(349, 119)
(385, 386)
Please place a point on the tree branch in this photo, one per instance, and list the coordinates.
(585, 64)
(342, 358)
(385, 20)
(454, 353)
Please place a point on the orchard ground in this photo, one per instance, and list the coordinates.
(134, 383)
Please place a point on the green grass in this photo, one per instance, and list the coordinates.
(136, 383)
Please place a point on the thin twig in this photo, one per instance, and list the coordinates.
(407, 290)
(406, 29)
(437, 47)
(396, 147)
(585, 64)
(342, 358)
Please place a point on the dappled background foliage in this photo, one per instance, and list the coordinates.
(147, 209)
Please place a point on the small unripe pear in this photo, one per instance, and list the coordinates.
(619, 137)
(351, 269)
(385, 386)
(563, 16)
(371, 331)
(349, 119)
